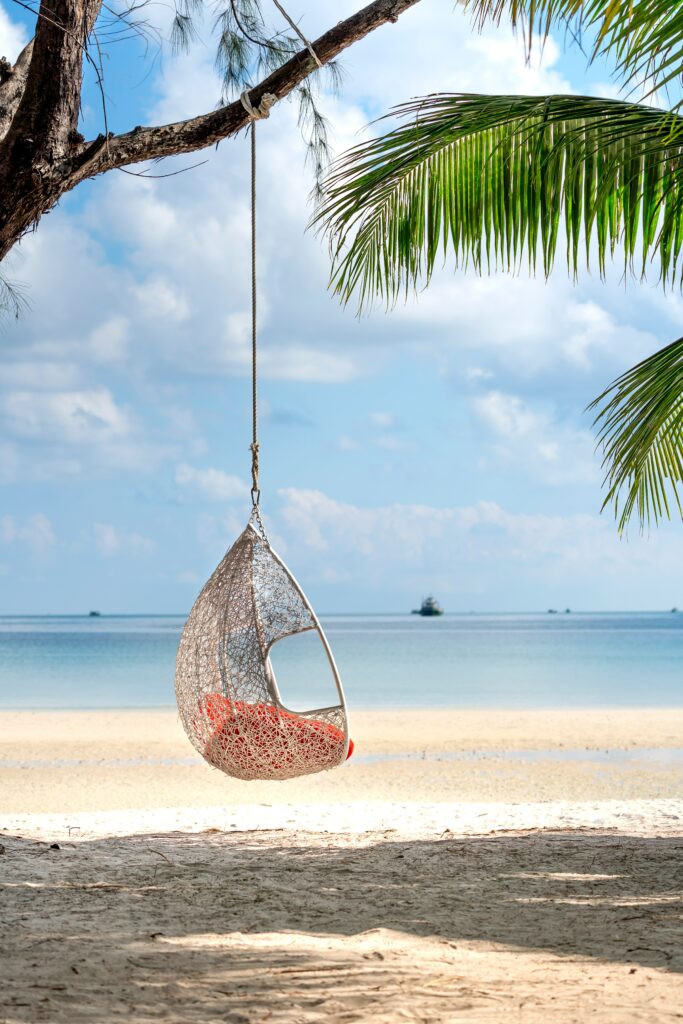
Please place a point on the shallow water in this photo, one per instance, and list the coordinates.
(514, 661)
(653, 757)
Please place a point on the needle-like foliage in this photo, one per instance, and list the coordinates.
(12, 299)
(497, 182)
(249, 48)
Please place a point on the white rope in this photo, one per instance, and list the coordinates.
(262, 110)
(302, 37)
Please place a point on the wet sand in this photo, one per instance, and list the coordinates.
(87, 761)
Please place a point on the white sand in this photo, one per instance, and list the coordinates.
(537, 894)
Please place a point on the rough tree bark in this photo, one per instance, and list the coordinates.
(42, 155)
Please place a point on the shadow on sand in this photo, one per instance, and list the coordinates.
(282, 926)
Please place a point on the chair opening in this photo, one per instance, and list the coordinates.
(303, 673)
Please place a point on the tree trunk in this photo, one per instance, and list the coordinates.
(42, 156)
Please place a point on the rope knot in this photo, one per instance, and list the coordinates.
(262, 109)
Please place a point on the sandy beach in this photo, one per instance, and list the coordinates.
(464, 866)
(115, 760)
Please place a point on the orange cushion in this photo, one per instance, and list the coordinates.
(258, 739)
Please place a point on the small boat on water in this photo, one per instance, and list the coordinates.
(428, 607)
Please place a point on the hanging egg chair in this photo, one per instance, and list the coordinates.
(226, 689)
(227, 693)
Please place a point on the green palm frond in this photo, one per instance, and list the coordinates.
(491, 179)
(640, 430)
(644, 39)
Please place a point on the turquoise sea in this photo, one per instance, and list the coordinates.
(513, 661)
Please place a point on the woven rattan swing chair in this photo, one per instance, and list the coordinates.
(227, 693)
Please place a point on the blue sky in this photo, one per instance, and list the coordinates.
(439, 447)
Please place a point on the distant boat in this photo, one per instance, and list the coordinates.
(94, 615)
(674, 610)
(428, 607)
(552, 611)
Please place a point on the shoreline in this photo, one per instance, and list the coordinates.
(381, 708)
(461, 724)
(91, 761)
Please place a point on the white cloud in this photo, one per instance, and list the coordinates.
(180, 226)
(41, 374)
(323, 524)
(106, 538)
(10, 463)
(392, 443)
(534, 440)
(109, 540)
(384, 420)
(83, 417)
(506, 414)
(526, 328)
(310, 365)
(477, 373)
(346, 444)
(211, 483)
(416, 57)
(591, 328)
(474, 553)
(55, 434)
(109, 341)
(158, 298)
(501, 59)
(45, 465)
(217, 533)
(36, 532)
(389, 442)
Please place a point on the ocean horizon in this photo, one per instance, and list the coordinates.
(461, 659)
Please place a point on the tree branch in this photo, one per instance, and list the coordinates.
(207, 129)
(41, 155)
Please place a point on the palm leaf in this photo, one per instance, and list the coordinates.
(640, 430)
(491, 178)
(644, 39)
